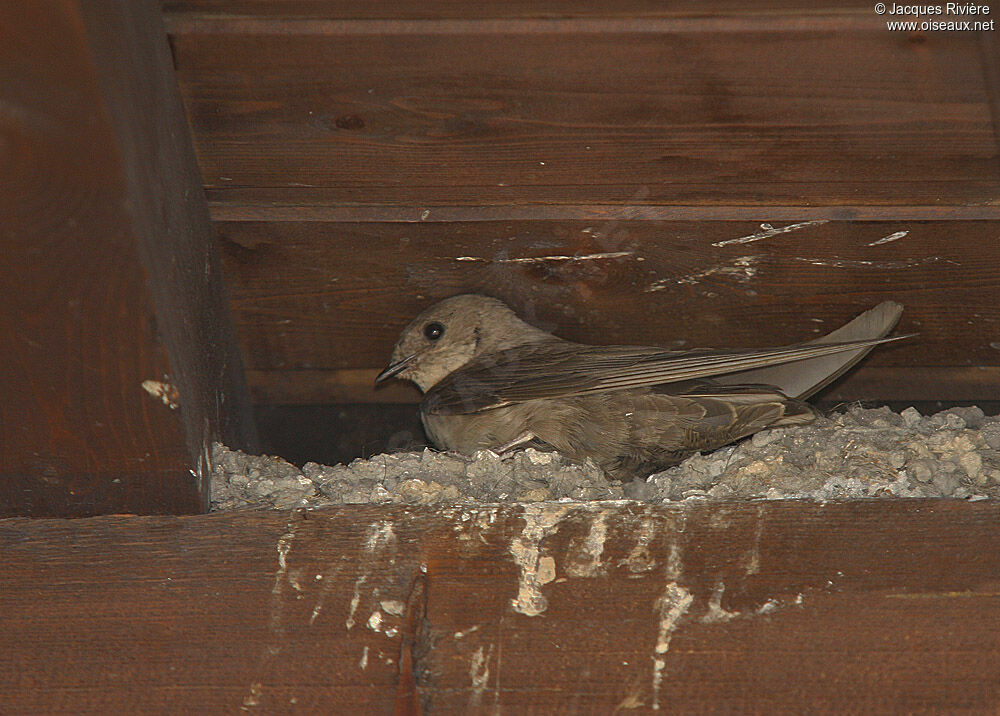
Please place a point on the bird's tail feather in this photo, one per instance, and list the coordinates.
(805, 377)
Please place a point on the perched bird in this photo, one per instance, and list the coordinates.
(492, 381)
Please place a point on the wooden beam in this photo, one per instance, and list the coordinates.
(867, 383)
(591, 106)
(111, 272)
(862, 606)
(318, 318)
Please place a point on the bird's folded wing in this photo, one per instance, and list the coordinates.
(556, 368)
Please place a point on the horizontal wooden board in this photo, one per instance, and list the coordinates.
(307, 299)
(866, 606)
(871, 383)
(234, 10)
(302, 204)
(612, 114)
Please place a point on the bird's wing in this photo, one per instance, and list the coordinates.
(552, 369)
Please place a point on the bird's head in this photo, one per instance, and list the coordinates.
(451, 333)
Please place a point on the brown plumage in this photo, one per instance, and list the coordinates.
(492, 381)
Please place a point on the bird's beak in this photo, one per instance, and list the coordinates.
(394, 368)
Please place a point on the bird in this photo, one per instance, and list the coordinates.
(491, 381)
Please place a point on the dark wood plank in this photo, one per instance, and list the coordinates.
(174, 234)
(868, 383)
(513, 115)
(105, 229)
(306, 299)
(233, 10)
(302, 204)
(865, 606)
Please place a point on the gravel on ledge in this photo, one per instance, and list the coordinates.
(861, 453)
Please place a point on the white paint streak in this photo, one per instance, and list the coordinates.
(536, 570)
(766, 231)
(671, 606)
(837, 262)
(742, 269)
(546, 259)
(891, 237)
(587, 561)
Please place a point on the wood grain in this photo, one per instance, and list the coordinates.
(870, 383)
(186, 11)
(305, 298)
(429, 132)
(777, 607)
(91, 265)
(174, 235)
(497, 115)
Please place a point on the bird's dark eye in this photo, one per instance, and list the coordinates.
(433, 331)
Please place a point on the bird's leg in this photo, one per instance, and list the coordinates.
(507, 447)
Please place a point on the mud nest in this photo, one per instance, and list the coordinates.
(861, 453)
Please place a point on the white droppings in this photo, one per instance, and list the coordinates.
(378, 538)
(639, 559)
(479, 674)
(252, 699)
(425, 214)
(283, 546)
(375, 621)
(766, 231)
(887, 239)
(536, 570)
(753, 555)
(465, 633)
(715, 613)
(328, 583)
(670, 607)
(364, 659)
(586, 562)
(355, 600)
(275, 622)
(769, 606)
(166, 392)
(393, 606)
(674, 567)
